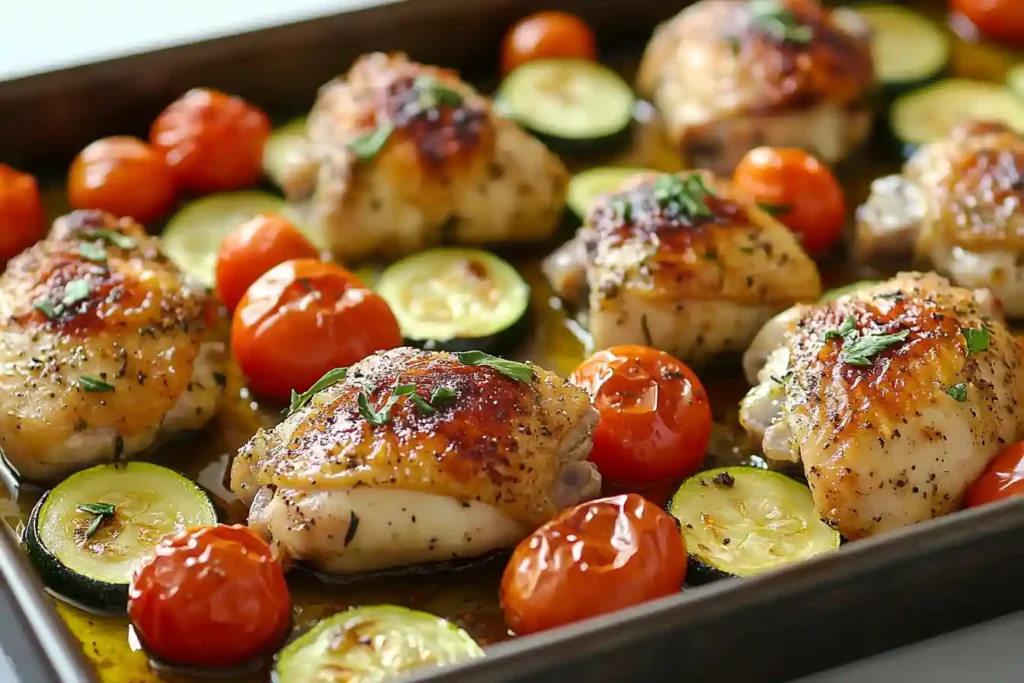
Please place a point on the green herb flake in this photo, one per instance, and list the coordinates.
(378, 417)
(94, 385)
(298, 400)
(100, 512)
(775, 19)
(520, 372)
(367, 146)
(47, 308)
(622, 207)
(958, 392)
(442, 396)
(685, 195)
(432, 93)
(849, 326)
(860, 350)
(111, 237)
(74, 291)
(92, 251)
(775, 209)
(978, 340)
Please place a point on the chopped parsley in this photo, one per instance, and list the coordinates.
(683, 195)
(958, 392)
(74, 291)
(111, 237)
(778, 21)
(298, 400)
(520, 372)
(849, 326)
(367, 146)
(94, 385)
(433, 94)
(46, 307)
(92, 251)
(775, 209)
(440, 397)
(100, 512)
(977, 340)
(859, 350)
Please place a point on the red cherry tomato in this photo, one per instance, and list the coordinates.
(1003, 478)
(22, 222)
(210, 596)
(252, 249)
(123, 176)
(303, 318)
(547, 35)
(999, 19)
(213, 142)
(595, 558)
(655, 418)
(798, 189)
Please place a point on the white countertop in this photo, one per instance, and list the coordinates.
(38, 35)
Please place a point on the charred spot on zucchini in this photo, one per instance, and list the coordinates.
(587, 186)
(452, 299)
(85, 534)
(909, 49)
(743, 521)
(374, 643)
(574, 106)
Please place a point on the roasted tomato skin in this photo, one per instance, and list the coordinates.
(798, 190)
(252, 249)
(1003, 478)
(595, 558)
(303, 318)
(213, 142)
(210, 596)
(1002, 20)
(22, 221)
(547, 35)
(655, 416)
(123, 176)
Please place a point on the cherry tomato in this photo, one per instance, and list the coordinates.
(1003, 478)
(798, 189)
(252, 249)
(22, 222)
(210, 596)
(303, 318)
(124, 176)
(655, 418)
(595, 558)
(547, 35)
(213, 142)
(999, 19)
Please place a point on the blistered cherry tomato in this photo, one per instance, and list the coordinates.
(22, 222)
(595, 558)
(655, 417)
(547, 35)
(1003, 478)
(798, 190)
(252, 249)
(303, 318)
(210, 596)
(124, 176)
(213, 142)
(999, 19)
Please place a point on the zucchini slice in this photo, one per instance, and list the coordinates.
(1015, 80)
(586, 186)
(279, 148)
(574, 106)
(909, 49)
(836, 292)
(193, 235)
(457, 299)
(742, 521)
(85, 534)
(932, 112)
(371, 644)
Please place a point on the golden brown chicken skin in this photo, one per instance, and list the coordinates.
(105, 348)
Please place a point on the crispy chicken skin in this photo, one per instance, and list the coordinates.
(694, 286)
(958, 207)
(449, 171)
(94, 375)
(502, 457)
(898, 438)
(726, 79)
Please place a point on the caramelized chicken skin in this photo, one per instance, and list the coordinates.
(449, 170)
(894, 397)
(677, 262)
(349, 491)
(105, 347)
(731, 75)
(957, 207)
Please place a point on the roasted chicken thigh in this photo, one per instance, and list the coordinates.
(894, 397)
(105, 348)
(419, 457)
(401, 156)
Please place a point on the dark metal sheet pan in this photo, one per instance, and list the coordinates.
(868, 597)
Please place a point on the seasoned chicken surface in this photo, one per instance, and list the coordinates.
(105, 348)
(367, 476)
(731, 75)
(401, 156)
(895, 397)
(677, 262)
(958, 207)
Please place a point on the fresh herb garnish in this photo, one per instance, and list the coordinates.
(101, 512)
(978, 340)
(520, 372)
(94, 385)
(433, 94)
(775, 209)
(46, 307)
(332, 377)
(849, 326)
(774, 18)
(442, 396)
(860, 350)
(622, 207)
(958, 392)
(74, 291)
(92, 251)
(686, 195)
(367, 146)
(378, 417)
(110, 236)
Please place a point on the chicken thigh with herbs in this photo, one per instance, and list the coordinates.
(401, 156)
(677, 262)
(105, 348)
(895, 397)
(958, 207)
(415, 456)
(731, 75)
